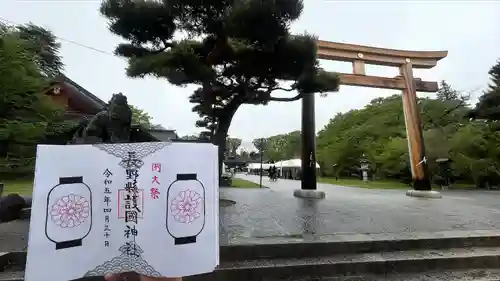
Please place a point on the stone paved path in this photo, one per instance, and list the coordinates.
(14, 236)
(271, 214)
(274, 212)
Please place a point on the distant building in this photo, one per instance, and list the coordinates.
(235, 163)
(163, 134)
(80, 104)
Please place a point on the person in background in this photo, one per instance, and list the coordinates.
(270, 172)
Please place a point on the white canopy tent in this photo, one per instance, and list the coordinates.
(292, 163)
(255, 167)
(290, 169)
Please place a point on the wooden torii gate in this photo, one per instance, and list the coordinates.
(359, 56)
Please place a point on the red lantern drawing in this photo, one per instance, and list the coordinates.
(69, 213)
(185, 209)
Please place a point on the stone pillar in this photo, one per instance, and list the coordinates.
(418, 162)
(308, 175)
(308, 156)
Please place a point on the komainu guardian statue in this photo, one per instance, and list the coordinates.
(111, 125)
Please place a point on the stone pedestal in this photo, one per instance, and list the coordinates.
(310, 194)
(365, 176)
(424, 193)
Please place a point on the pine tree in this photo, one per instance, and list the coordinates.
(235, 51)
(488, 107)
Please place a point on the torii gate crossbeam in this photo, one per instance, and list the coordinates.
(360, 55)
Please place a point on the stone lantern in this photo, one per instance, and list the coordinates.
(364, 167)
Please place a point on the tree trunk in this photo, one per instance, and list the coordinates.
(220, 140)
(222, 129)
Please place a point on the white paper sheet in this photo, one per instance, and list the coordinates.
(145, 207)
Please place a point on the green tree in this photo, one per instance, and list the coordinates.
(254, 155)
(275, 147)
(189, 137)
(475, 145)
(157, 127)
(366, 131)
(393, 160)
(450, 108)
(26, 113)
(283, 146)
(232, 145)
(292, 147)
(244, 155)
(44, 44)
(260, 144)
(488, 107)
(476, 154)
(236, 52)
(140, 117)
(445, 92)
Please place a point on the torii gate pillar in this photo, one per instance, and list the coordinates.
(359, 56)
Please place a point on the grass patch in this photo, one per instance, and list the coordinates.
(25, 186)
(378, 184)
(241, 183)
(387, 184)
(462, 186)
(21, 187)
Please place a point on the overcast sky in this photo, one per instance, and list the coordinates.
(469, 30)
